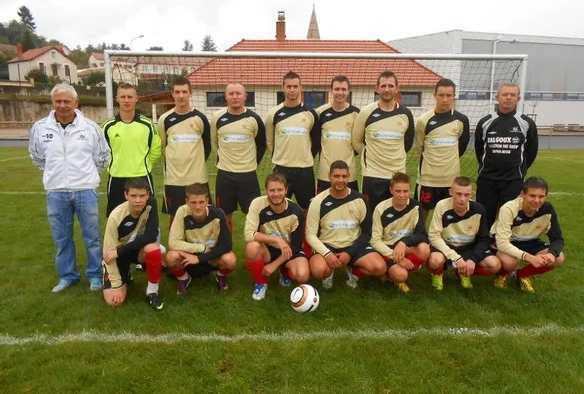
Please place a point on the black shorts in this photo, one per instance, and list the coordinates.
(123, 268)
(428, 196)
(175, 197)
(300, 183)
(200, 270)
(116, 189)
(275, 253)
(323, 185)
(375, 191)
(532, 247)
(232, 188)
(467, 253)
(365, 250)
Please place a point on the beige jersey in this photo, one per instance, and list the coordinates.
(441, 138)
(338, 223)
(451, 233)
(293, 135)
(335, 139)
(238, 140)
(192, 236)
(186, 144)
(128, 235)
(383, 138)
(514, 230)
(288, 224)
(391, 226)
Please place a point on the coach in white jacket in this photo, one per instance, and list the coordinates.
(71, 151)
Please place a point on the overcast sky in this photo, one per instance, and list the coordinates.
(169, 23)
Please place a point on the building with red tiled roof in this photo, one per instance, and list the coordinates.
(262, 77)
(52, 60)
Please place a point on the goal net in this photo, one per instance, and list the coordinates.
(477, 78)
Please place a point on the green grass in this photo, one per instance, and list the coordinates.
(547, 361)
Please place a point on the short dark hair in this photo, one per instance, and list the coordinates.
(445, 82)
(125, 85)
(338, 165)
(276, 177)
(180, 81)
(462, 181)
(387, 74)
(340, 78)
(400, 177)
(136, 183)
(534, 182)
(197, 189)
(291, 75)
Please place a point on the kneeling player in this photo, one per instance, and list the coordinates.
(459, 233)
(338, 228)
(399, 233)
(130, 237)
(518, 230)
(274, 231)
(200, 241)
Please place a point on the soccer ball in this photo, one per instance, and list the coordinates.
(304, 298)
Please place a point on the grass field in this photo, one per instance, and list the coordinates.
(368, 340)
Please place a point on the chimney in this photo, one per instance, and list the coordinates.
(19, 50)
(281, 27)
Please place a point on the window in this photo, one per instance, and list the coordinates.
(166, 69)
(55, 70)
(176, 70)
(411, 99)
(217, 99)
(144, 69)
(67, 70)
(155, 69)
(42, 68)
(314, 99)
(53, 54)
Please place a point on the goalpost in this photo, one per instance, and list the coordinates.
(477, 78)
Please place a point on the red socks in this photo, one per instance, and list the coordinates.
(357, 272)
(417, 261)
(530, 270)
(154, 266)
(225, 271)
(481, 271)
(256, 268)
(503, 272)
(286, 272)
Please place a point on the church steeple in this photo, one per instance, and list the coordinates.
(313, 33)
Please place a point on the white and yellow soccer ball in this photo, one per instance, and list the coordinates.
(304, 298)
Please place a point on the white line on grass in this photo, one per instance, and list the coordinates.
(563, 159)
(566, 194)
(13, 158)
(287, 336)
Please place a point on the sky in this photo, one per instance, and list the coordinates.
(169, 23)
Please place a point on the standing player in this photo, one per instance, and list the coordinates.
(130, 237)
(200, 241)
(506, 146)
(518, 231)
(186, 142)
(459, 233)
(399, 233)
(338, 228)
(336, 119)
(383, 133)
(274, 227)
(71, 151)
(442, 136)
(238, 137)
(135, 146)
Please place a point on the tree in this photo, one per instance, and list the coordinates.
(26, 40)
(187, 46)
(156, 48)
(94, 79)
(208, 45)
(37, 75)
(26, 18)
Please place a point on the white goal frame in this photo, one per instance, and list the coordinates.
(323, 55)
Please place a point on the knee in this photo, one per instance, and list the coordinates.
(507, 262)
(492, 264)
(319, 270)
(302, 275)
(172, 258)
(229, 261)
(423, 251)
(153, 247)
(559, 260)
(253, 250)
(435, 261)
(397, 274)
(379, 268)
